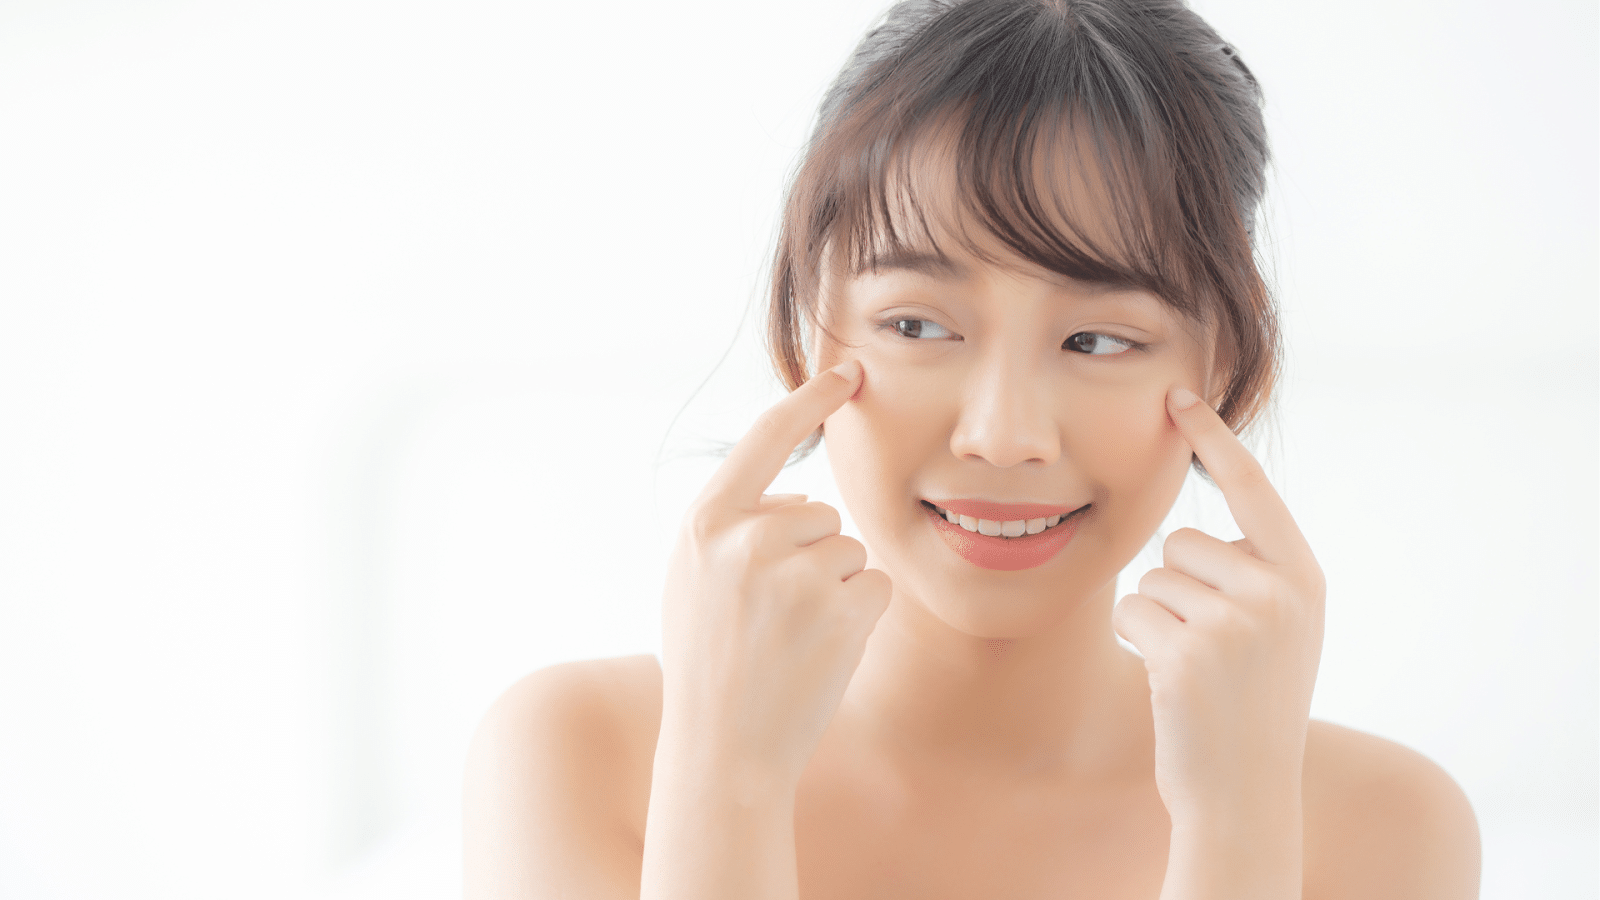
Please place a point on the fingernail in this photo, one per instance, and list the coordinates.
(848, 370)
(783, 498)
(1183, 398)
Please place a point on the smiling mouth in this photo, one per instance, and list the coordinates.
(1020, 528)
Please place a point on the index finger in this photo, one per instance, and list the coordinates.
(759, 456)
(1256, 505)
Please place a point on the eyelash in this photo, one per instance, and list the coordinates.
(889, 325)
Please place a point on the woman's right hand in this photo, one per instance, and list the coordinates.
(767, 607)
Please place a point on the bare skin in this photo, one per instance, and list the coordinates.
(1063, 802)
(1381, 821)
(884, 718)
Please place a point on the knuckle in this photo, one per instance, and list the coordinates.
(1181, 541)
(699, 523)
(829, 516)
(1252, 579)
(1277, 589)
(749, 540)
(854, 553)
(882, 581)
(1185, 534)
(1232, 622)
(1151, 581)
(811, 564)
(1280, 590)
(873, 581)
(768, 423)
(1121, 613)
(1249, 475)
(872, 589)
(1135, 612)
(1256, 629)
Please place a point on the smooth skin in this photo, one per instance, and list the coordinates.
(836, 718)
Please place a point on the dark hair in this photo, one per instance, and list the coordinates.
(1173, 117)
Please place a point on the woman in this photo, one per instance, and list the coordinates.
(1016, 290)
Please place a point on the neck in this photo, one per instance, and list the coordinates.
(1059, 704)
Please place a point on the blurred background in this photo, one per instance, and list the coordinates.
(317, 319)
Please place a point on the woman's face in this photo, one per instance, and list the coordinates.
(1004, 383)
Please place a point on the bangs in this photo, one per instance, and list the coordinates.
(1045, 186)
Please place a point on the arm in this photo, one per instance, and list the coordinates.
(1251, 851)
(714, 834)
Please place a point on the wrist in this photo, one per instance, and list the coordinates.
(1244, 813)
(715, 830)
(1246, 791)
(693, 764)
(1237, 851)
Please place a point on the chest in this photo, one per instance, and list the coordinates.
(860, 834)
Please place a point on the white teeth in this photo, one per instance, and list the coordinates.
(999, 529)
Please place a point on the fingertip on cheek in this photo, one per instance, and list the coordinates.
(1181, 398)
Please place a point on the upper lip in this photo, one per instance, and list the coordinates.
(1002, 512)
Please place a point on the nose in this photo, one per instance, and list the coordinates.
(1007, 416)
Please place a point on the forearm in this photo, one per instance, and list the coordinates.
(714, 832)
(1240, 854)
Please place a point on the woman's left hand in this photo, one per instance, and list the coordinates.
(1231, 635)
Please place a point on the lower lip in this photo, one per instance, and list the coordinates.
(1006, 554)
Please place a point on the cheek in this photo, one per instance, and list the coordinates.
(890, 413)
(877, 441)
(1128, 443)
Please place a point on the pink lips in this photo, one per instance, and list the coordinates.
(1002, 512)
(1002, 553)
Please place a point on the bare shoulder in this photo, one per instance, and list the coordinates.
(599, 693)
(558, 770)
(1383, 820)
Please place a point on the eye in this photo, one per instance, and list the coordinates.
(1096, 344)
(916, 329)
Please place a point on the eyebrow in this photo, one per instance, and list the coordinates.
(933, 265)
(943, 268)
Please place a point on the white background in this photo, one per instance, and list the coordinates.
(334, 334)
